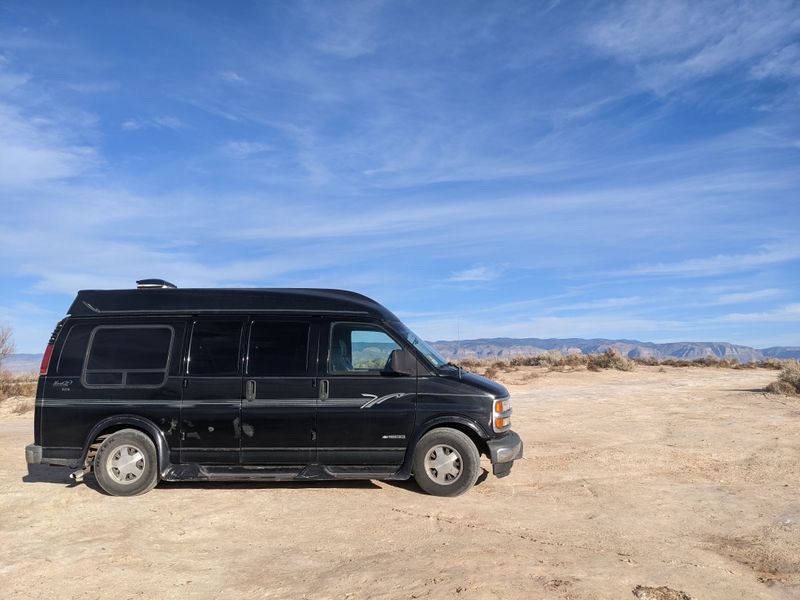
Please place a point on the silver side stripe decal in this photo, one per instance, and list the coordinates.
(373, 399)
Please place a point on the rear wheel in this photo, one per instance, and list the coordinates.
(126, 463)
(446, 462)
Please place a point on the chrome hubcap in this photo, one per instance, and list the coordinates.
(125, 464)
(443, 464)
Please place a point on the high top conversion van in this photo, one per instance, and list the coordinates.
(158, 383)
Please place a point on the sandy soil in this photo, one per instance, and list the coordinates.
(686, 479)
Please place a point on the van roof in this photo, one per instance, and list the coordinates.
(225, 300)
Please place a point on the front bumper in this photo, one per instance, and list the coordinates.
(33, 454)
(503, 451)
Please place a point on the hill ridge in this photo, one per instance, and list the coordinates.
(506, 347)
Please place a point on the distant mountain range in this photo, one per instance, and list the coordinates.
(22, 363)
(510, 347)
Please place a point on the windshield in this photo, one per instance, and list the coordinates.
(432, 355)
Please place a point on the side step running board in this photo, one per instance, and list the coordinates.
(313, 472)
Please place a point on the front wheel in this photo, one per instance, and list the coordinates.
(126, 464)
(446, 462)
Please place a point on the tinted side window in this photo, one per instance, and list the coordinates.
(128, 355)
(278, 348)
(215, 348)
(73, 352)
(359, 348)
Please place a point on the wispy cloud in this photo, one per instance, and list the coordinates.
(744, 297)
(672, 44)
(231, 77)
(719, 264)
(781, 63)
(245, 149)
(603, 303)
(34, 148)
(784, 314)
(479, 273)
(161, 122)
(348, 28)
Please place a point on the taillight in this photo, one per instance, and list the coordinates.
(48, 352)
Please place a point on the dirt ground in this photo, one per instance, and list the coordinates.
(687, 479)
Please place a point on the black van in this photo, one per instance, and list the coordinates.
(158, 383)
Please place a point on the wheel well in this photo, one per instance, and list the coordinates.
(114, 428)
(119, 427)
(479, 442)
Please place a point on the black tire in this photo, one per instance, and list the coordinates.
(432, 449)
(126, 464)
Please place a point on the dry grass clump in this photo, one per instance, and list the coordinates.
(610, 359)
(788, 380)
(22, 384)
(22, 406)
(553, 361)
(709, 361)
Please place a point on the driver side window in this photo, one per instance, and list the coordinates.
(359, 348)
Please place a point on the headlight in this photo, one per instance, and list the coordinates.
(501, 415)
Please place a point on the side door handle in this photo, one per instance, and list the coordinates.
(324, 388)
(250, 390)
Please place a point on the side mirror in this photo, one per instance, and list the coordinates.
(401, 362)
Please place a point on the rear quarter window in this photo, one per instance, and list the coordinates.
(128, 355)
(73, 353)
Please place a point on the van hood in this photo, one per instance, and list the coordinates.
(477, 381)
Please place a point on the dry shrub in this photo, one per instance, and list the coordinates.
(6, 344)
(555, 361)
(788, 381)
(490, 373)
(23, 384)
(469, 363)
(710, 361)
(772, 363)
(610, 359)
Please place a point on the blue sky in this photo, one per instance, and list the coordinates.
(524, 169)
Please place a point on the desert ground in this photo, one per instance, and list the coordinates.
(686, 480)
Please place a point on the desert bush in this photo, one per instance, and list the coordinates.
(788, 380)
(710, 361)
(647, 361)
(490, 373)
(6, 344)
(610, 359)
(7, 381)
(553, 360)
(772, 363)
(469, 363)
(23, 384)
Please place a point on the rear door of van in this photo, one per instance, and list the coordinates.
(210, 413)
(279, 408)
